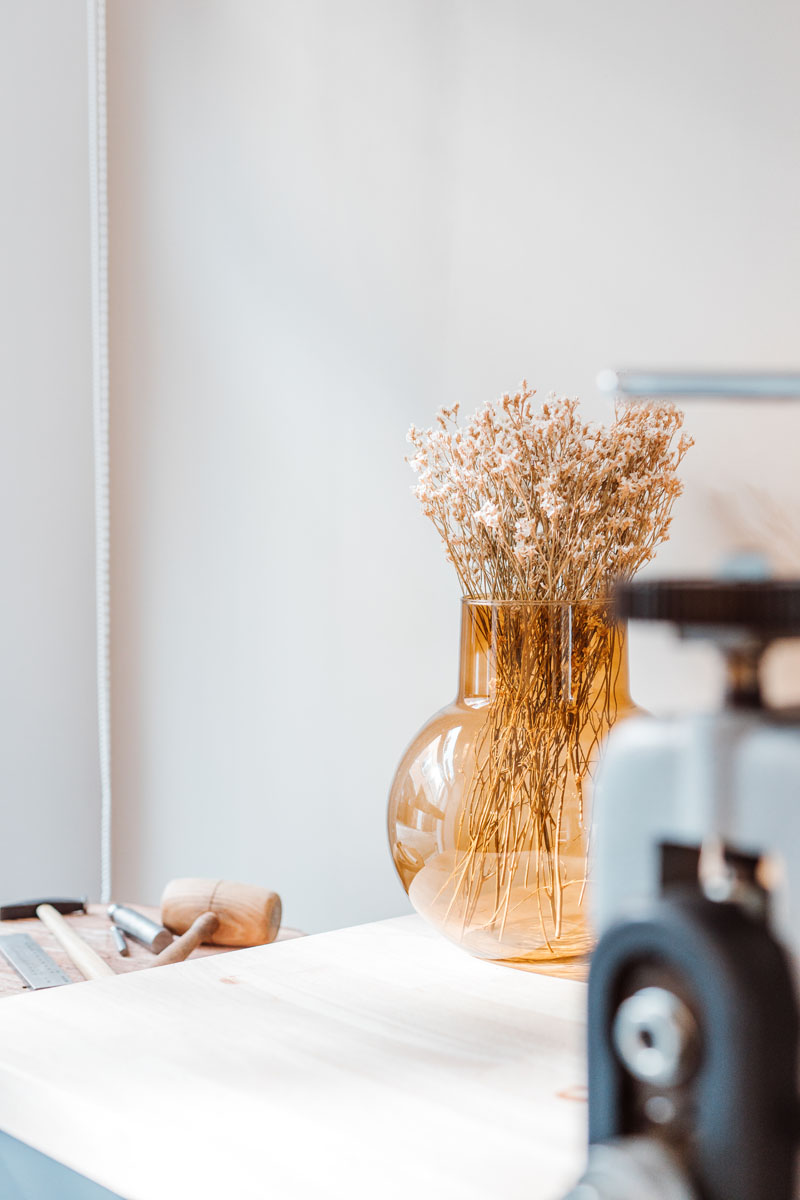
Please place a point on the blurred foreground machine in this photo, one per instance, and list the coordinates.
(693, 1013)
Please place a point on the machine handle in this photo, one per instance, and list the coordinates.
(702, 385)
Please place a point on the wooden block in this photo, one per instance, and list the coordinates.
(375, 1061)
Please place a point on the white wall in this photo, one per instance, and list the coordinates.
(49, 813)
(328, 219)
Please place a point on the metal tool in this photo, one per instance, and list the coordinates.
(88, 962)
(148, 933)
(27, 908)
(33, 965)
(693, 1014)
(118, 938)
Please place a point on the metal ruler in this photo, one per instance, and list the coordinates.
(34, 966)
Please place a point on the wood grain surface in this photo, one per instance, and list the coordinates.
(94, 927)
(379, 1061)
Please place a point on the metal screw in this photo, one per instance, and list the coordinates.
(656, 1037)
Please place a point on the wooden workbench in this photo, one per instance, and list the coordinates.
(378, 1061)
(95, 928)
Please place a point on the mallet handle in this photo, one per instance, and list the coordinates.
(201, 930)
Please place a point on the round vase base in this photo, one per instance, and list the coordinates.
(519, 925)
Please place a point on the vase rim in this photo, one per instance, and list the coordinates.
(490, 602)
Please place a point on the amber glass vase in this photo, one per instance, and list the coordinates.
(490, 809)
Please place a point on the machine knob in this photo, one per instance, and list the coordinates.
(632, 1169)
(656, 1037)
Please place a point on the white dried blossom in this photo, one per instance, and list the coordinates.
(568, 504)
(488, 515)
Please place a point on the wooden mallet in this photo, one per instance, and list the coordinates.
(217, 911)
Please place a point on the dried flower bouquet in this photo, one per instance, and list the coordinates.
(538, 511)
(540, 505)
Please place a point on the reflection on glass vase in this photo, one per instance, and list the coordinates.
(489, 812)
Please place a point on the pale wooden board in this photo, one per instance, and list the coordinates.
(378, 1061)
(95, 928)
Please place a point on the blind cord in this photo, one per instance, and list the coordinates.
(98, 181)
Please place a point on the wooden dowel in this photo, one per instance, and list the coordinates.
(199, 931)
(90, 964)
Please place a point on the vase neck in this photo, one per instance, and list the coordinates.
(556, 635)
(473, 665)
